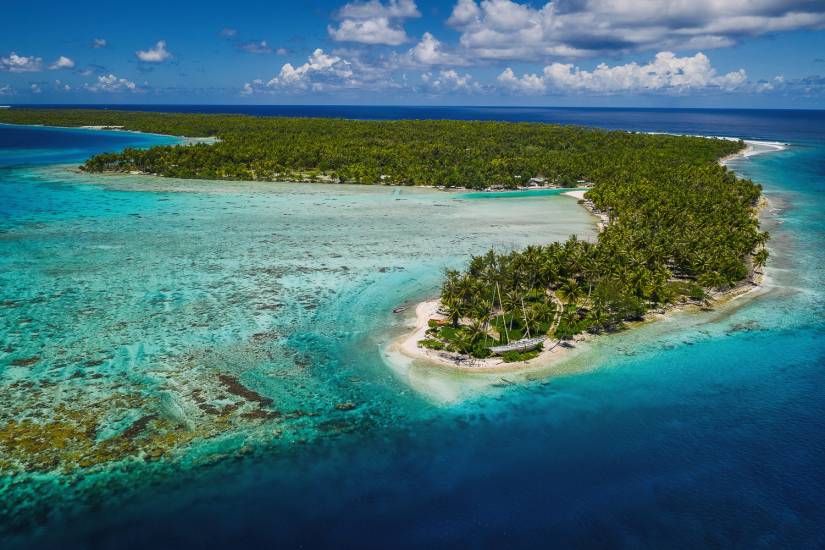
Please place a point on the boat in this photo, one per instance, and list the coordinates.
(525, 344)
(399, 309)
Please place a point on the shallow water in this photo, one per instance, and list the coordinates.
(136, 293)
(704, 429)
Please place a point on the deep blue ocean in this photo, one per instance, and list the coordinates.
(705, 431)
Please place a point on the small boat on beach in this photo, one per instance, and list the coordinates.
(523, 345)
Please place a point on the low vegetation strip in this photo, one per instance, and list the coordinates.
(403, 152)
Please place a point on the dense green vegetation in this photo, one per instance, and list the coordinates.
(407, 152)
(680, 223)
(671, 238)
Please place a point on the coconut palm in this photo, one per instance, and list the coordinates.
(570, 291)
(759, 259)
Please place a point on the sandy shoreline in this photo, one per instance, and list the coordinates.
(407, 346)
(404, 350)
(603, 218)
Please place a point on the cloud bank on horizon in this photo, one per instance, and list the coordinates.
(478, 50)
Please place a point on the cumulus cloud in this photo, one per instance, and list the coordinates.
(21, 64)
(504, 29)
(666, 72)
(5, 89)
(449, 81)
(374, 8)
(259, 47)
(428, 52)
(526, 84)
(62, 86)
(111, 83)
(158, 54)
(35, 88)
(369, 31)
(250, 87)
(62, 62)
(226, 32)
(324, 72)
(99, 43)
(320, 71)
(373, 22)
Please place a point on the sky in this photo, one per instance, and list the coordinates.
(642, 53)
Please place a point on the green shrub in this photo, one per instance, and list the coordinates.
(518, 356)
(431, 343)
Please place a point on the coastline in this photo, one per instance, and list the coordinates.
(752, 148)
(185, 140)
(407, 346)
(404, 350)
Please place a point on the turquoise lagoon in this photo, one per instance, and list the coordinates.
(127, 298)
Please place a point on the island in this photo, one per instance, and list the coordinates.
(676, 226)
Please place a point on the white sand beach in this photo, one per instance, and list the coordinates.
(407, 345)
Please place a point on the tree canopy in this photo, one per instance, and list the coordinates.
(403, 152)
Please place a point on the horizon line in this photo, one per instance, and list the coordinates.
(408, 106)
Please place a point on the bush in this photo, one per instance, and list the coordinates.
(517, 356)
(480, 351)
(431, 343)
(697, 292)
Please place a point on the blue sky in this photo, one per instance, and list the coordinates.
(685, 53)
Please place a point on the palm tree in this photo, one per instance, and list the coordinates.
(570, 291)
(712, 279)
(760, 258)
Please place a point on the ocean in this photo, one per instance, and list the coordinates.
(129, 297)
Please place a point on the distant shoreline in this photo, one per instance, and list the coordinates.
(119, 129)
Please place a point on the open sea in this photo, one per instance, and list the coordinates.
(203, 364)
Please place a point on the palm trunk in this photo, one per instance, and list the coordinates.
(501, 302)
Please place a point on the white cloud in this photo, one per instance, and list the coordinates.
(111, 83)
(62, 62)
(5, 89)
(449, 81)
(527, 84)
(325, 72)
(158, 54)
(368, 31)
(429, 51)
(504, 29)
(320, 71)
(62, 86)
(99, 43)
(809, 86)
(373, 22)
(374, 8)
(464, 13)
(35, 88)
(255, 47)
(21, 64)
(666, 72)
(226, 32)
